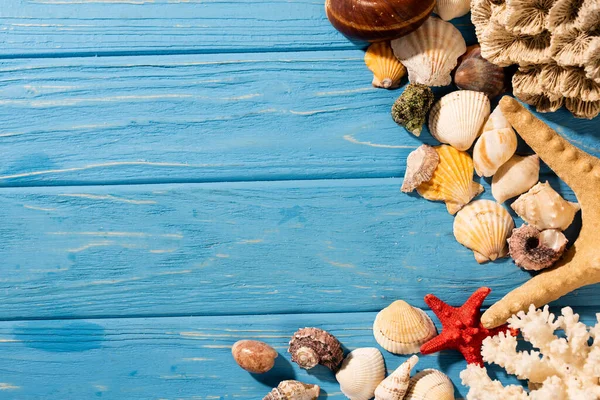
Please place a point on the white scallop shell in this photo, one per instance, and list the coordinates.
(450, 9)
(395, 386)
(430, 384)
(544, 208)
(515, 177)
(495, 146)
(361, 372)
(431, 52)
(401, 328)
(483, 226)
(457, 118)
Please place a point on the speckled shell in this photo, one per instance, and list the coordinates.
(395, 386)
(420, 166)
(450, 9)
(478, 74)
(254, 356)
(430, 53)
(496, 145)
(457, 118)
(293, 390)
(312, 346)
(544, 208)
(515, 177)
(387, 70)
(534, 250)
(483, 226)
(430, 384)
(361, 372)
(452, 180)
(402, 329)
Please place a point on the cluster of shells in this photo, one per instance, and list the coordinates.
(556, 44)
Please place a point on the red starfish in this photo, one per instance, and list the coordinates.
(462, 328)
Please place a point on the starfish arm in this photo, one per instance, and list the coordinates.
(443, 311)
(438, 343)
(470, 310)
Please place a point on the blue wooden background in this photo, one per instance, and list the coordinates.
(177, 175)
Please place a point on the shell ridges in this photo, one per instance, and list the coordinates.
(361, 372)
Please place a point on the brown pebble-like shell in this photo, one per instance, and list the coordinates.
(533, 250)
(312, 346)
(254, 356)
(294, 390)
(476, 73)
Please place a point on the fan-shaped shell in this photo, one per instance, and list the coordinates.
(387, 70)
(361, 372)
(431, 52)
(544, 208)
(495, 146)
(395, 386)
(293, 390)
(450, 9)
(402, 329)
(430, 384)
(483, 226)
(515, 177)
(457, 118)
(452, 180)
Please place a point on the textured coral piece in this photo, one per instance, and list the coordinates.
(312, 346)
(411, 108)
(462, 329)
(581, 264)
(254, 356)
(527, 17)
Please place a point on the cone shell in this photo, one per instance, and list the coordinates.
(457, 118)
(496, 145)
(431, 52)
(430, 384)
(450, 9)
(534, 250)
(395, 386)
(387, 70)
(515, 177)
(293, 390)
(544, 208)
(402, 329)
(452, 180)
(420, 166)
(483, 226)
(312, 346)
(361, 372)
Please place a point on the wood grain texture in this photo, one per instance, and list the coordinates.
(121, 120)
(180, 358)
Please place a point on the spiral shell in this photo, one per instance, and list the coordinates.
(312, 346)
(495, 146)
(515, 177)
(430, 384)
(395, 386)
(420, 165)
(478, 74)
(293, 390)
(534, 250)
(254, 356)
(361, 372)
(387, 70)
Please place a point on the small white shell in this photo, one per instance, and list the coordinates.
(483, 226)
(457, 118)
(544, 208)
(515, 177)
(361, 372)
(430, 384)
(431, 52)
(395, 386)
(450, 9)
(495, 146)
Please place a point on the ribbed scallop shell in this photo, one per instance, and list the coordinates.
(430, 384)
(293, 390)
(431, 52)
(361, 372)
(450, 9)
(452, 180)
(483, 226)
(395, 386)
(544, 208)
(387, 70)
(402, 329)
(457, 118)
(496, 145)
(515, 177)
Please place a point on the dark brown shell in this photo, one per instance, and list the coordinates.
(476, 73)
(528, 251)
(312, 346)
(376, 20)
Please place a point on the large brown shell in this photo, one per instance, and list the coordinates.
(476, 73)
(254, 356)
(376, 20)
(312, 346)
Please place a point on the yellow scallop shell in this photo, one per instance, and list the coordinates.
(387, 70)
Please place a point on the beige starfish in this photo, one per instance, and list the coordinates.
(581, 264)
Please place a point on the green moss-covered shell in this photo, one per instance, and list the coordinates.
(411, 108)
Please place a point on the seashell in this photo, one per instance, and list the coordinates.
(515, 177)
(312, 346)
(478, 74)
(409, 110)
(457, 118)
(293, 390)
(387, 70)
(420, 165)
(395, 386)
(254, 356)
(483, 226)
(430, 53)
(452, 180)
(430, 384)
(376, 20)
(545, 209)
(450, 9)
(496, 145)
(401, 328)
(361, 372)
(534, 250)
